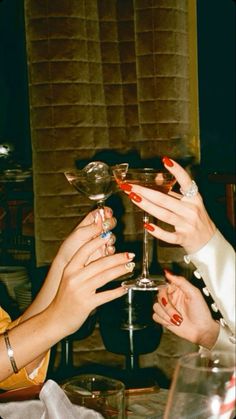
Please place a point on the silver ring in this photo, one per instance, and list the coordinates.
(191, 191)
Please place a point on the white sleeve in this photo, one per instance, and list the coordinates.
(223, 342)
(215, 263)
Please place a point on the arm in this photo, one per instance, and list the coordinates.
(216, 264)
(196, 233)
(76, 297)
(90, 227)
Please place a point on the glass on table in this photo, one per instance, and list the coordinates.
(203, 387)
(102, 394)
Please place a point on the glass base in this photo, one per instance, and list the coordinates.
(152, 283)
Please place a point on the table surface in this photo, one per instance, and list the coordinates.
(146, 403)
(140, 403)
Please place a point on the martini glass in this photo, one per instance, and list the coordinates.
(158, 180)
(94, 181)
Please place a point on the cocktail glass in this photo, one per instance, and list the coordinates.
(95, 181)
(159, 180)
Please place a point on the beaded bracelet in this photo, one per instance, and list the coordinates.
(10, 352)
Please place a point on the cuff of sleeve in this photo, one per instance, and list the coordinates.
(223, 342)
(215, 263)
(212, 249)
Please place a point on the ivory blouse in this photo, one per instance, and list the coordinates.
(215, 263)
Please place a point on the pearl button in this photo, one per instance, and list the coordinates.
(187, 259)
(214, 307)
(223, 322)
(205, 291)
(197, 274)
(232, 339)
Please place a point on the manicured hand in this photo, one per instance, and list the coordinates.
(182, 309)
(91, 226)
(78, 292)
(193, 227)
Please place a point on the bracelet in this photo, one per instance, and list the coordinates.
(10, 352)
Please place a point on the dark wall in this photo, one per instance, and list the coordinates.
(216, 60)
(14, 113)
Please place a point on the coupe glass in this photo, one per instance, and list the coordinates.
(95, 181)
(203, 387)
(159, 180)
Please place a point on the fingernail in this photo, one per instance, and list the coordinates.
(175, 322)
(110, 250)
(105, 234)
(130, 256)
(178, 318)
(111, 241)
(130, 266)
(135, 197)
(148, 227)
(106, 225)
(125, 187)
(164, 302)
(167, 162)
(109, 211)
(96, 216)
(168, 271)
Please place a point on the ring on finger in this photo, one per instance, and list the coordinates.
(191, 191)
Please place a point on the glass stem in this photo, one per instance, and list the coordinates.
(145, 267)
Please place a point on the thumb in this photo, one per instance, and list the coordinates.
(182, 283)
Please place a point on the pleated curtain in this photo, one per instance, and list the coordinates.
(118, 75)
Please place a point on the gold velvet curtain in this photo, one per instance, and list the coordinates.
(105, 74)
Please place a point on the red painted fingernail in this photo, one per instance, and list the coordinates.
(167, 162)
(164, 302)
(148, 227)
(125, 187)
(178, 318)
(135, 197)
(168, 271)
(129, 255)
(176, 323)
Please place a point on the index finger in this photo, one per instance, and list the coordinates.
(92, 215)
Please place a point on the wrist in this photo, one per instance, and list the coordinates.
(208, 338)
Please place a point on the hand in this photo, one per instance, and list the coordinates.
(182, 309)
(193, 227)
(88, 228)
(78, 292)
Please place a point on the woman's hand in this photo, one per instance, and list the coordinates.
(62, 306)
(91, 227)
(87, 229)
(78, 293)
(193, 227)
(182, 309)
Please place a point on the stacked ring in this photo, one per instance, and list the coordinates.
(191, 191)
